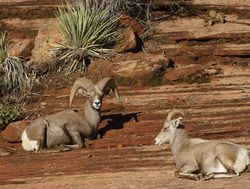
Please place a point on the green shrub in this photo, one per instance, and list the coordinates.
(7, 115)
(87, 32)
(14, 75)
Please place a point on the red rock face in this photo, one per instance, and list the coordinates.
(183, 72)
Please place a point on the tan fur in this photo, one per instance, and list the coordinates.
(196, 157)
(70, 127)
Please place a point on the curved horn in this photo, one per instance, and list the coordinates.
(174, 112)
(106, 85)
(83, 84)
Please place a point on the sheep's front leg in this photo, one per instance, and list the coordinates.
(187, 171)
(191, 176)
(209, 176)
(77, 140)
(53, 150)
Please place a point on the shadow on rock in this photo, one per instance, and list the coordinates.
(116, 121)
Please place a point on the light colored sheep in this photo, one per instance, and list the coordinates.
(196, 158)
(70, 127)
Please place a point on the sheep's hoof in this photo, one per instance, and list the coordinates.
(197, 176)
(188, 176)
(208, 176)
(176, 174)
(74, 146)
(65, 148)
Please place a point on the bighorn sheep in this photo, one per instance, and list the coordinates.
(196, 158)
(70, 127)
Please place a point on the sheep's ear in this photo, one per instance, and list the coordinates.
(178, 122)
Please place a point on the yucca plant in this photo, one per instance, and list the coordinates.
(87, 33)
(114, 6)
(3, 46)
(15, 77)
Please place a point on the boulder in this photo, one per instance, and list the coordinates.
(140, 69)
(127, 41)
(47, 36)
(13, 132)
(128, 35)
(146, 68)
(126, 21)
(21, 47)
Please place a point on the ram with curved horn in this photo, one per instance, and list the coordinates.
(70, 127)
(197, 158)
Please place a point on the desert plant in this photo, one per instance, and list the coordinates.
(87, 33)
(7, 115)
(113, 7)
(14, 74)
(3, 45)
(138, 9)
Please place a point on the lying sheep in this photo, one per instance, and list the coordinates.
(196, 158)
(70, 127)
